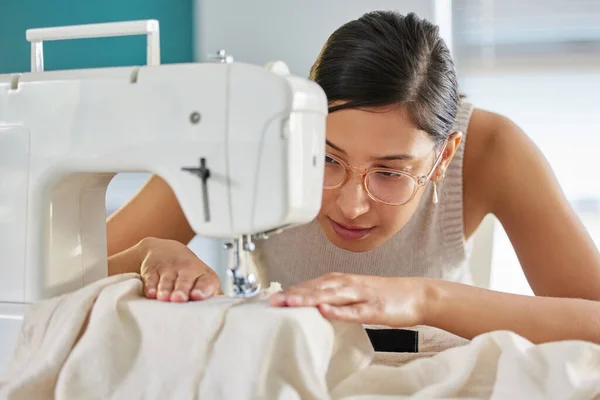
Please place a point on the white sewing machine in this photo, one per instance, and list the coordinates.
(242, 147)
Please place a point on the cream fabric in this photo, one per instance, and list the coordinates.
(431, 341)
(497, 365)
(106, 341)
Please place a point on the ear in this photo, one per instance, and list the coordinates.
(454, 141)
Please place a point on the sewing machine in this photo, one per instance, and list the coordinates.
(242, 147)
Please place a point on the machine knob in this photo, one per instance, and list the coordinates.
(221, 57)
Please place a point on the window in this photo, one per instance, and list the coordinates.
(538, 63)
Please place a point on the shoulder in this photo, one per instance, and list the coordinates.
(486, 127)
(492, 142)
(491, 139)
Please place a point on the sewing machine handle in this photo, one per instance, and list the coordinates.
(145, 27)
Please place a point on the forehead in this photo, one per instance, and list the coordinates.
(377, 132)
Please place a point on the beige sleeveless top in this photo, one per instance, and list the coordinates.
(432, 244)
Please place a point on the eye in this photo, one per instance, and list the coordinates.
(329, 160)
(389, 174)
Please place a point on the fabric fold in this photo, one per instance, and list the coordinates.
(107, 341)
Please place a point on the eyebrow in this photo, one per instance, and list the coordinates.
(392, 157)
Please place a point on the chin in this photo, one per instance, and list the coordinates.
(355, 246)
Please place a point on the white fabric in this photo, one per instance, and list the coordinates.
(498, 365)
(431, 341)
(106, 341)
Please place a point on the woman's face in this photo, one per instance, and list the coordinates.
(385, 138)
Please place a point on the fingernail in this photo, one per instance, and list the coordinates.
(178, 295)
(198, 293)
(163, 293)
(151, 292)
(297, 299)
(277, 298)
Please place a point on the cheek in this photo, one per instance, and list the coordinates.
(328, 200)
(393, 219)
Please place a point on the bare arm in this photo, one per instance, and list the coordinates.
(149, 236)
(153, 212)
(510, 178)
(469, 311)
(463, 310)
(125, 261)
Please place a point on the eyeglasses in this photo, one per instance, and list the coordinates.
(385, 185)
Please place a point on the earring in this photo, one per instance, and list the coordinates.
(435, 193)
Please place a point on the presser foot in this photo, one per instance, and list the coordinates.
(243, 286)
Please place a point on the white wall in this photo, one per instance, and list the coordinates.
(265, 30)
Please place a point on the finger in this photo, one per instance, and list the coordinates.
(359, 312)
(166, 285)
(334, 296)
(183, 286)
(207, 285)
(332, 280)
(150, 283)
(329, 281)
(277, 300)
(312, 297)
(294, 297)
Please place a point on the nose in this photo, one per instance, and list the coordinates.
(353, 199)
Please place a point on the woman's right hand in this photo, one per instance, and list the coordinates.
(172, 272)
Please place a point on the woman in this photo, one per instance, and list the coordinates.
(411, 170)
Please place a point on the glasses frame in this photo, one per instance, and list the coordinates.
(418, 180)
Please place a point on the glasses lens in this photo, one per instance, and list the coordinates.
(334, 173)
(390, 187)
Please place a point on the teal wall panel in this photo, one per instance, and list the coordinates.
(16, 16)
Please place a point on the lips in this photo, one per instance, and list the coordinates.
(349, 232)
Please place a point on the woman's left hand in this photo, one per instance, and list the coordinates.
(372, 300)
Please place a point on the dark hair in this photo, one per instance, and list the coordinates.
(385, 59)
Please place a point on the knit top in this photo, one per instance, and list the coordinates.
(432, 244)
